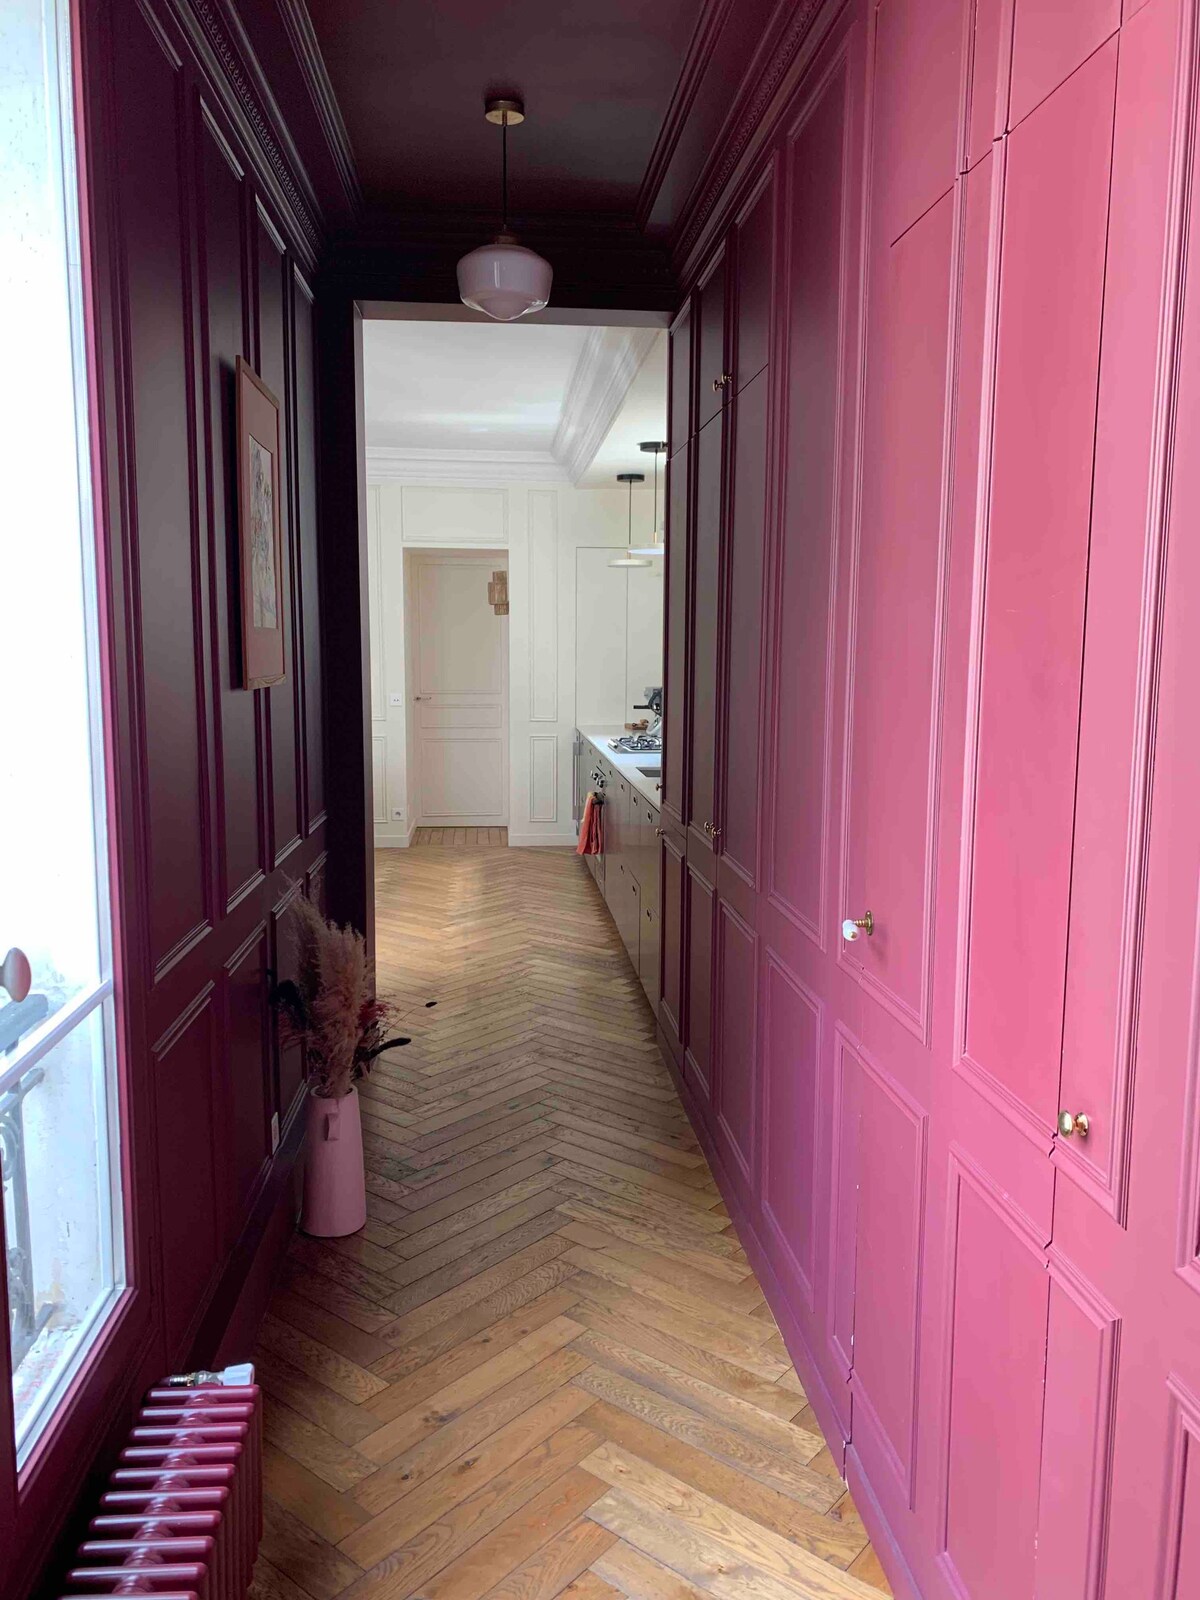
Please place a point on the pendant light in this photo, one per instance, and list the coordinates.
(629, 557)
(503, 279)
(657, 545)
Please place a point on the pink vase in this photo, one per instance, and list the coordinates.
(335, 1194)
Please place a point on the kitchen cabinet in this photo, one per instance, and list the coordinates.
(627, 870)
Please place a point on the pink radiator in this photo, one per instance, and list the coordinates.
(182, 1515)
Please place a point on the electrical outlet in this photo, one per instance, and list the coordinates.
(397, 814)
(274, 1132)
(395, 699)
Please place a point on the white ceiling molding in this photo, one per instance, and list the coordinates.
(394, 464)
(607, 365)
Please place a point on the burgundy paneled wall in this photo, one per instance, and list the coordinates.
(932, 578)
(196, 257)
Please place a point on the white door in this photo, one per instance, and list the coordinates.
(460, 698)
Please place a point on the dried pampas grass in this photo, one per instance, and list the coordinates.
(331, 1007)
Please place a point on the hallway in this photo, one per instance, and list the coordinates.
(545, 1367)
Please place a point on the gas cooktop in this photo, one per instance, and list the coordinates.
(636, 743)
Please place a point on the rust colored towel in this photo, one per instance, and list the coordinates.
(591, 828)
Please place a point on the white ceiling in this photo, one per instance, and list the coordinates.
(643, 415)
(534, 400)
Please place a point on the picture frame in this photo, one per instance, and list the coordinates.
(259, 532)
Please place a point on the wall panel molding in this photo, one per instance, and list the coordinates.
(543, 605)
(543, 777)
(223, 46)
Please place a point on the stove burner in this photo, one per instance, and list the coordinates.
(631, 742)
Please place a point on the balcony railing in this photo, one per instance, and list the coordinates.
(25, 1319)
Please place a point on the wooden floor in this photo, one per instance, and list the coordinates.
(545, 1367)
(459, 837)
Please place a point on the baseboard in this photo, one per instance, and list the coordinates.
(894, 1565)
(387, 839)
(556, 841)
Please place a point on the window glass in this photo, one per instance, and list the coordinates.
(58, 1134)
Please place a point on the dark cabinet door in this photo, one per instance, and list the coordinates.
(705, 640)
(671, 930)
(713, 378)
(701, 910)
(679, 401)
(675, 653)
(650, 954)
(753, 276)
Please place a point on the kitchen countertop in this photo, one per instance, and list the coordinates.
(650, 789)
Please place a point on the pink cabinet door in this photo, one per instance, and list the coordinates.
(805, 996)
(1122, 1490)
(741, 678)
(705, 642)
(676, 700)
(882, 1071)
(1020, 1328)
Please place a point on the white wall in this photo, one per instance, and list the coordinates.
(546, 529)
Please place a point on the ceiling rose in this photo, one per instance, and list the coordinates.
(504, 279)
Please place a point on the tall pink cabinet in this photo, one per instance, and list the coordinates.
(934, 653)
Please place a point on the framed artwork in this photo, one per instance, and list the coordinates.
(260, 540)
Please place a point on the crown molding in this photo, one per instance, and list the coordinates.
(607, 364)
(303, 39)
(709, 24)
(747, 123)
(462, 468)
(222, 46)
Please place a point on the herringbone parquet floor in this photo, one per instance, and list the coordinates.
(545, 1367)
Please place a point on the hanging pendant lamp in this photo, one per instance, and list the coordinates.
(658, 543)
(629, 557)
(504, 279)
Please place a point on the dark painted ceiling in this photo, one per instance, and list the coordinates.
(626, 102)
(411, 79)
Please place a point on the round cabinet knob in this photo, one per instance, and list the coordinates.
(854, 927)
(1080, 1123)
(16, 975)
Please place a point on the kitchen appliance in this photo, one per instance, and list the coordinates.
(651, 740)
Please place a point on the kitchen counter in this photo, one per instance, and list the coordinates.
(627, 765)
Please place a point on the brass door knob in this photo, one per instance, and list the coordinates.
(1080, 1123)
(854, 927)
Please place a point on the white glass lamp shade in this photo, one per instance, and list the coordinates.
(504, 280)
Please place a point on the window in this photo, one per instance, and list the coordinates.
(59, 1158)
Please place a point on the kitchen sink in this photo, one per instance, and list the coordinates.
(651, 772)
